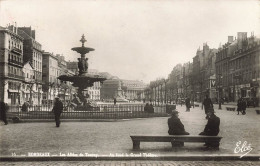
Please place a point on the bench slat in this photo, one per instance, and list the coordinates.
(181, 138)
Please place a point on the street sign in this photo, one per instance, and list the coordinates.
(212, 83)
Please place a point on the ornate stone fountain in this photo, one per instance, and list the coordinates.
(83, 80)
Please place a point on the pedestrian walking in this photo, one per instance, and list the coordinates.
(211, 128)
(3, 110)
(207, 105)
(187, 103)
(239, 105)
(114, 101)
(57, 110)
(244, 104)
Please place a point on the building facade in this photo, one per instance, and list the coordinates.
(203, 73)
(33, 53)
(132, 89)
(50, 70)
(241, 71)
(11, 65)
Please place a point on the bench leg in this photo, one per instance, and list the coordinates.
(177, 144)
(136, 144)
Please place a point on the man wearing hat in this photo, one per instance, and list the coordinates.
(212, 127)
(57, 109)
(175, 125)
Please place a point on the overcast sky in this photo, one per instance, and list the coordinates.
(137, 40)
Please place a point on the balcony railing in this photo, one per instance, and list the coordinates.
(17, 50)
(15, 62)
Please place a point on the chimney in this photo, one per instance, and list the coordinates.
(33, 34)
(241, 36)
(15, 29)
(230, 39)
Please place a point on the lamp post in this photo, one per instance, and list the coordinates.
(219, 98)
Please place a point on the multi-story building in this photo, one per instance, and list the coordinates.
(175, 82)
(94, 91)
(203, 73)
(187, 78)
(33, 53)
(223, 69)
(73, 66)
(132, 89)
(30, 89)
(110, 89)
(11, 65)
(238, 65)
(50, 73)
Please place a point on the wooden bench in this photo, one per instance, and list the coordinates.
(231, 108)
(176, 140)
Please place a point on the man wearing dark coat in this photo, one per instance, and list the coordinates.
(212, 127)
(187, 103)
(151, 109)
(239, 105)
(146, 108)
(244, 106)
(207, 104)
(175, 125)
(57, 109)
(3, 109)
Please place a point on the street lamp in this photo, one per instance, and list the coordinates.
(219, 102)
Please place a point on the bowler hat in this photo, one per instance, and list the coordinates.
(174, 112)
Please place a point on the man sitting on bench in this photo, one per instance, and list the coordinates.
(175, 126)
(211, 128)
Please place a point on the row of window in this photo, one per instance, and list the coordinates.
(15, 58)
(37, 65)
(14, 44)
(37, 56)
(15, 70)
(94, 92)
(241, 63)
(245, 77)
(36, 45)
(245, 62)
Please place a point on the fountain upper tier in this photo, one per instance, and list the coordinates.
(83, 50)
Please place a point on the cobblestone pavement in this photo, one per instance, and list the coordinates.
(104, 138)
(136, 163)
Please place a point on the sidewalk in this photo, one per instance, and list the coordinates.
(105, 138)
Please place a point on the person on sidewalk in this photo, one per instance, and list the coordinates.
(211, 128)
(57, 109)
(3, 110)
(151, 109)
(244, 104)
(146, 107)
(25, 106)
(239, 105)
(187, 103)
(207, 105)
(175, 125)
